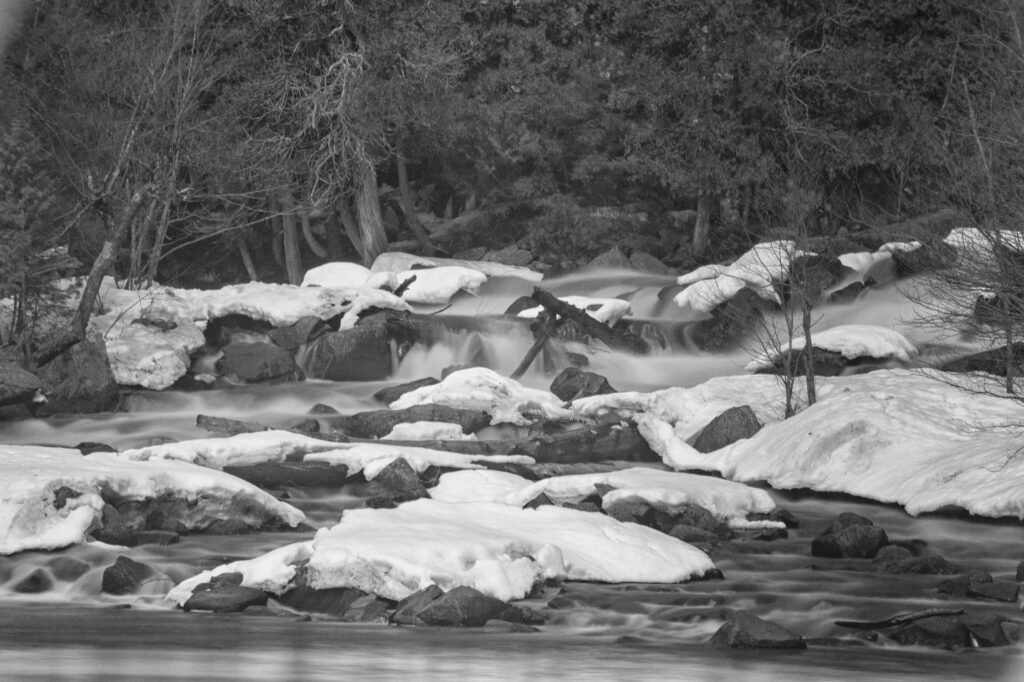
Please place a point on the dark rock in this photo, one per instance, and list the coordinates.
(891, 553)
(113, 528)
(855, 542)
(840, 523)
(573, 383)
(929, 258)
(810, 275)
(520, 304)
(258, 363)
(277, 475)
(400, 478)
(378, 423)
(368, 609)
(730, 322)
(390, 394)
(699, 517)
(847, 294)
(67, 569)
(744, 630)
(993, 309)
(826, 363)
(1020, 572)
(779, 514)
(931, 565)
(645, 262)
(467, 607)
(734, 424)
(405, 612)
(510, 255)
(957, 587)
(322, 410)
(997, 590)
(18, 386)
(538, 501)
(612, 259)
(362, 353)
(78, 381)
(985, 628)
(942, 631)
(224, 594)
(692, 534)
(989, 361)
(769, 534)
(298, 334)
(221, 331)
(584, 506)
(37, 581)
(87, 448)
(127, 576)
(62, 494)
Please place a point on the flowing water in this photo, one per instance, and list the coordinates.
(597, 631)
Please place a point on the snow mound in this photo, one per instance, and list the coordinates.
(479, 388)
(606, 310)
(340, 275)
(53, 497)
(439, 284)
(396, 261)
(851, 341)
(497, 549)
(241, 450)
(371, 458)
(428, 431)
(757, 269)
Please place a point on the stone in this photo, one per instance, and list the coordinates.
(18, 386)
(734, 424)
(847, 294)
(152, 537)
(942, 631)
(891, 553)
(368, 609)
(572, 383)
(400, 478)
(699, 517)
(729, 324)
(254, 362)
(127, 576)
(379, 423)
(277, 475)
(362, 353)
(929, 258)
(538, 501)
(989, 361)
(113, 528)
(67, 569)
(1020, 572)
(293, 336)
(744, 630)
(826, 363)
(692, 534)
(37, 581)
(390, 394)
(520, 304)
(842, 522)
(467, 607)
(930, 565)
(985, 628)
(645, 262)
(997, 590)
(78, 381)
(224, 594)
(778, 514)
(334, 601)
(855, 542)
(811, 274)
(406, 610)
(87, 448)
(957, 586)
(612, 259)
(510, 255)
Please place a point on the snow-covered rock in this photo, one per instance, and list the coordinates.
(339, 275)
(439, 284)
(372, 458)
(396, 261)
(428, 431)
(479, 388)
(240, 450)
(606, 310)
(34, 515)
(498, 549)
(849, 340)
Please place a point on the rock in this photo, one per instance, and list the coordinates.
(734, 424)
(504, 626)
(573, 383)
(891, 553)
(929, 258)
(931, 565)
(221, 331)
(224, 594)
(645, 262)
(67, 569)
(1020, 572)
(87, 448)
(744, 630)
(510, 255)
(400, 478)
(692, 534)
(840, 523)
(847, 294)
(730, 322)
(78, 381)
(538, 501)
(127, 576)
(368, 609)
(362, 353)
(778, 514)
(997, 590)
(810, 275)
(378, 423)
(37, 581)
(957, 587)
(520, 304)
(826, 363)
(18, 386)
(855, 542)
(152, 537)
(113, 529)
(294, 335)
(985, 628)
(335, 601)
(390, 394)
(277, 475)
(990, 361)
(258, 363)
(612, 259)
(467, 607)
(944, 631)
(405, 612)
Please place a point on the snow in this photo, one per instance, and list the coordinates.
(31, 475)
(396, 261)
(664, 490)
(339, 275)
(479, 388)
(861, 261)
(428, 431)
(371, 458)
(606, 310)
(890, 247)
(439, 284)
(758, 269)
(974, 243)
(500, 550)
(851, 341)
(240, 450)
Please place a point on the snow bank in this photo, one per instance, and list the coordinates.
(606, 310)
(396, 261)
(428, 431)
(851, 341)
(500, 550)
(757, 269)
(479, 388)
(371, 458)
(439, 284)
(34, 516)
(240, 450)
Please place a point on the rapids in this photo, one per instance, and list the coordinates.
(598, 632)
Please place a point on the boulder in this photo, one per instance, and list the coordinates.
(744, 630)
(390, 394)
(730, 322)
(368, 609)
(378, 423)
(942, 631)
(734, 424)
(254, 362)
(827, 363)
(401, 479)
(573, 383)
(990, 361)
(692, 534)
(538, 501)
(1020, 572)
(847, 294)
(37, 581)
(510, 255)
(362, 353)
(293, 336)
(224, 594)
(18, 386)
(996, 590)
(127, 576)
(78, 381)
(891, 553)
(842, 522)
(930, 565)
(67, 569)
(520, 304)
(87, 448)
(334, 601)
(467, 607)
(778, 514)
(855, 542)
(810, 275)
(406, 610)
(928, 258)
(645, 262)
(612, 259)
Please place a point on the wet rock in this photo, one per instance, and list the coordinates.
(573, 383)
(467, 607)
(510, 255)
(891, 553)
(929, 258)
(826, 363)
(368, 609)
(778, 514)
(294, 335)
(78, 381)
(520, 304)
(362, 353)
(400, 478)
(334, 601)
(390, 394)
(692, 534)
(810, 275)
(734, 424)
(730, 322)
(855, 542)
(847, 294)
(612, 259)
(938, 631)
(770, 534)
(113, 528)
(989, 361)
(840, 523)
(277, 475)
(152, 537)
(986, 629)
(645, 262)
(37, 581)
(997, 590)
(744, 630)
(406, 610)
(378, 423)
(87, 448)
(18, 386)
(62, 494)
(930, 565)
(67, 569)
(127, 576)
(258, 363)
(1020, 572)
(224, 594)
(538, 501)
(957, 587)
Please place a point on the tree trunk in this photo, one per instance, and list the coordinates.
(352, 230)
(290, 232)
(701, 230)
(276, 249)
(409, 207)
(808, 354)
(371, 223)
(335, 244)
(318, 249)
(140, 244)
(250, 267)
(165, 219)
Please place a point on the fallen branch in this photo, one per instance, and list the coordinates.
(543, 332)
(900, 619)
(618, 340)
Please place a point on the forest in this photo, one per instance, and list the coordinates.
(215, 141)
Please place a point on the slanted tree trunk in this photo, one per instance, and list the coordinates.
(352, 231)
(409, 206)
(371, 223)
(318, 249)
(335, 244)
(250, 267)
(701, 230)
(808, 354)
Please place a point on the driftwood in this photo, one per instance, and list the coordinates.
(615, 339)
(543, 330)
(900, 619)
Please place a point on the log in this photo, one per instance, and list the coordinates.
(597, 443)
(617, 340)
(899, 619)
(543, 332)
(277, 475)
(378, 423)
(223, 426)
